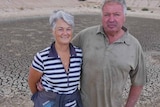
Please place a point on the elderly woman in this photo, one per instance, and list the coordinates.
(58, 67)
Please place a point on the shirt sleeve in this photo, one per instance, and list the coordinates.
(76, 40)
(37, 63)
(138, 75)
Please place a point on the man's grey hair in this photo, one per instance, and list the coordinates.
(122, 2)
(60, 14)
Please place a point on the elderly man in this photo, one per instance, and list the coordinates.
(110, 54)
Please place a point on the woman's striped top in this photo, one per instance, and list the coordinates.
(54, 76)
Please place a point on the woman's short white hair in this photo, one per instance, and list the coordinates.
(60, 14)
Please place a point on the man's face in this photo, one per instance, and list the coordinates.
(113, 17)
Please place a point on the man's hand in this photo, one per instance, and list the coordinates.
(39, 86)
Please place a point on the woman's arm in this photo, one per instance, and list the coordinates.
(33, 79)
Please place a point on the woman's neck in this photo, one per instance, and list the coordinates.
(62, 48)
(63, 52)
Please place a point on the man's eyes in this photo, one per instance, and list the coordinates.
(115, 14)
(69, 29)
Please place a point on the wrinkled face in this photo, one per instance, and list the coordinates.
(62, 32)
(113, 17)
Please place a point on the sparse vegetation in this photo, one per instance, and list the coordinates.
(128, 8)
(21, 8)
(145, 9)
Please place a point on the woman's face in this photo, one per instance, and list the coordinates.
(63, 32)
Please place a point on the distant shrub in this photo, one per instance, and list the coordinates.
(145, 9)
(128, 8)
(21, 8)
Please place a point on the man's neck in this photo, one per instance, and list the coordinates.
(112, 37)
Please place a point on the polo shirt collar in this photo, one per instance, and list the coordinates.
(123, 39)
(53, 52)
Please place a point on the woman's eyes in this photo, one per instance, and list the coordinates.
(62, 29)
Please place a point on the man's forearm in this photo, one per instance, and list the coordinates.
(134, 94)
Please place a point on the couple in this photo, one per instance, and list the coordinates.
(110, 54)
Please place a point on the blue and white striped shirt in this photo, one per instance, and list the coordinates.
(54, 76)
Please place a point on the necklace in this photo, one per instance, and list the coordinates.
(65, 59)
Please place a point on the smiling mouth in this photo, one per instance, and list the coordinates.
(64, 36)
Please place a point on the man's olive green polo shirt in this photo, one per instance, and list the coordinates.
(106, 66)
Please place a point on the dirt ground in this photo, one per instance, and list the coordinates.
(26, 28)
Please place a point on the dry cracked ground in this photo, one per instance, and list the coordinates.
(21, 39)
